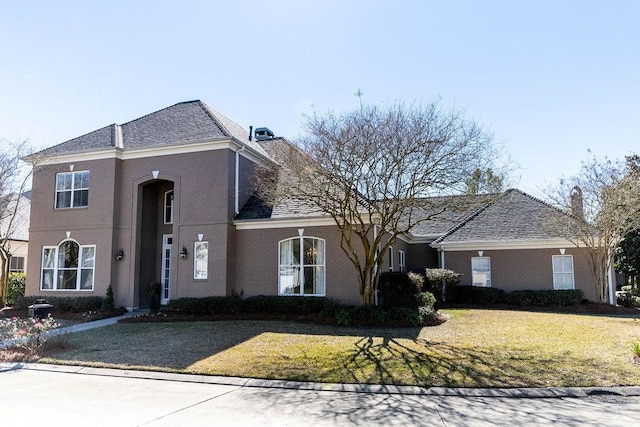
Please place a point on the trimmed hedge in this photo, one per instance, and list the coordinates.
(66, 304)
(257, 304)
(545, 298)
(492, 296)
(396, 289)
(15, 287)
(475, 295)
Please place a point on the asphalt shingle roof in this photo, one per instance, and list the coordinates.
(514, 216)
(181, 123)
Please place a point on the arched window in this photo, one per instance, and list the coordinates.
(68, 266)
(301, 266)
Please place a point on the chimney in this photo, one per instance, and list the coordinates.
(577, 206)
(263, 134)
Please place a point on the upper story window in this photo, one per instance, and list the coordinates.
(168, 207)
(481, 271)
(68, 266)
(302, 266)
(16, 264)
(72, 189)
(563, 272)
(200, 260)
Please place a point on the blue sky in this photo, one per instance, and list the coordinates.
(551, 79)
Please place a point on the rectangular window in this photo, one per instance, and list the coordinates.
(563, 272)
(72, 190)
(402, 261)
(200, 260)
(481, 271)
(391, 258)
(168, 207)
(16, 264)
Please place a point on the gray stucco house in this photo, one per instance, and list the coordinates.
(169, 198)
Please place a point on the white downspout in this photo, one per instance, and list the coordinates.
(237, 183)
(442, 265)
(612, 299)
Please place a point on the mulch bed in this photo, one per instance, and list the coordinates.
(69, 317)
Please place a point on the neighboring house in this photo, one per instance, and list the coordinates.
(169, 198)
(17, 227)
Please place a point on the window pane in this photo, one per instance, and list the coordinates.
(63, 199)
(288, 280)
(320, 255)
(67, 279)
(68, 255)
(48, 257)
(81, 180)
(201, 258)
(47, 279)
(310, 251)
(80, 198)
(64, 181)
(86, 279)
(88, 256)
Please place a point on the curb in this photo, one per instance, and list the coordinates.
(514, 393)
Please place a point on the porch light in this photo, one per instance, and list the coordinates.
(183, 253)
(120, 254)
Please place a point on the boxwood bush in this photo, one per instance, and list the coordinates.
(65, 304)
(545, 298)
(475, 295)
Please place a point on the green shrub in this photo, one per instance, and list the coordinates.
(206, 305)
(396, 289)
(627, 299)
(545, 298)
(285, 304)
(417, 279)
(438, 280)
(155, 293)
(64, 304)
(342, 317)
(475, 295)
(15, 287)
(406, 315)
(108, 303)
(425, 299)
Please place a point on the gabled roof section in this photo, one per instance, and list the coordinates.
(514, 216)
(18, 228)
(182, 123)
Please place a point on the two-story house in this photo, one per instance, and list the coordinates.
(169, 198)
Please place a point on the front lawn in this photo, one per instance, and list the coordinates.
(475, 348)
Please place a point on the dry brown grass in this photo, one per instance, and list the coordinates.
(475, 348)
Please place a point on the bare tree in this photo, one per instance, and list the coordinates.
(604, 200)
(15, 175)
(373, 171)
(484, 181)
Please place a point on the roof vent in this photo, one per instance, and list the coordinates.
(263, 134)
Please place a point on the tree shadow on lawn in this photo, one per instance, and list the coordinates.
(371, 355)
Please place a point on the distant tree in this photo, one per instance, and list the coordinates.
(15, 175)
(627, 257)
(604, 199)
(370, 169)
(483, 181)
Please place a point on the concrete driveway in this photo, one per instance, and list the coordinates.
(73, 396)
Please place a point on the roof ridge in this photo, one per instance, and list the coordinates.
(157, 111)
(473, 215)
(209, 111)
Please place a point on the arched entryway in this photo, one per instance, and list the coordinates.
(155, 239)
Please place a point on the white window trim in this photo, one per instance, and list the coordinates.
(79, 268)
(488, 282)
(302, 265)
(73, 189)
(402, 261)
(204, 272)
(573, 276)
(390, 258)
(165, 205)
(15, 270)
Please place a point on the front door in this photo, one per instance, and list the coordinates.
(167, 242)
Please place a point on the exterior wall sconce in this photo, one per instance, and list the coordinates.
(183, 253)
(120, 254)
